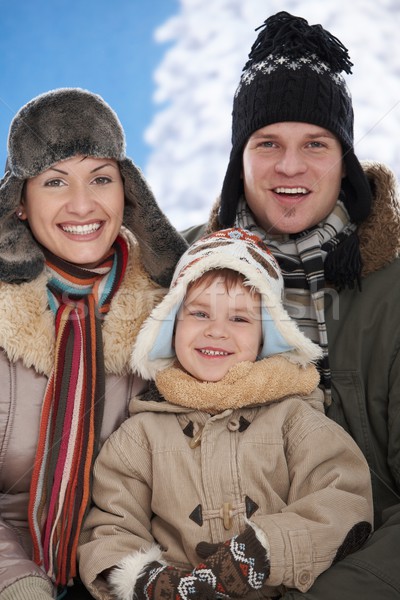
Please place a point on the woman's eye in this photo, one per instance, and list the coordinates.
(102, 180)
(54, 183)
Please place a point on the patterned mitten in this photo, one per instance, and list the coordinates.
(239, 565)
(162, 582)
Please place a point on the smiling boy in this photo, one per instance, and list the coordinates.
(227, 481)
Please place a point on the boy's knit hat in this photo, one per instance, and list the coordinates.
(58, 125)
(241, 251)
(294, 74)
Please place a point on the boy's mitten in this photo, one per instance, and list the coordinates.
(163, 582)
(239, 565)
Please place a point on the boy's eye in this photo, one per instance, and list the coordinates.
(199, 314)
(239, 319)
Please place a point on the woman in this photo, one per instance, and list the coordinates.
(85, 253)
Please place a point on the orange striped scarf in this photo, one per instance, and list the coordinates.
(72, 409)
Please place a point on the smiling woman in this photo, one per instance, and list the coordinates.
(75, 208)
(84, 253)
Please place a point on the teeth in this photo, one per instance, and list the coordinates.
(299, 190)
(214, 353)
(81, 229)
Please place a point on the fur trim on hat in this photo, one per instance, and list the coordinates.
(245, 253)
(56, 126)
(60, 124)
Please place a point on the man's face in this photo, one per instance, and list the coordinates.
(292, 175)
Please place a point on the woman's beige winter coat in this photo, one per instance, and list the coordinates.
(176, 476)
(26, 359)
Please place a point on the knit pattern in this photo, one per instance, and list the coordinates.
(72, 410)
(161, 582)
(239, 565)
(303, 259)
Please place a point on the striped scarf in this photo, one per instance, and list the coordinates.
(72, 409)
(302, 259)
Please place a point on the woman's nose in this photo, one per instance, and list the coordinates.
(82, 200)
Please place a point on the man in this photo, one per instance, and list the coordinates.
(334, 226)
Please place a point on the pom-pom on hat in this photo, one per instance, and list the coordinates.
(58, 125)
(245, 253)
(294, 74)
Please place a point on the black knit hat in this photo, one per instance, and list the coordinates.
(58, 125)
(294, 74)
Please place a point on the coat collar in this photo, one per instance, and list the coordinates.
(27, 324)
(245, 384)
(379, 235)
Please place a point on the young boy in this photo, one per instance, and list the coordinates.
(227, 481)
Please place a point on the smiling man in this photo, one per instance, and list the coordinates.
(333, 224)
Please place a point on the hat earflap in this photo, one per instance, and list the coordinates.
(21, 259)
(356, 189)
(232, 190)
(160, 244)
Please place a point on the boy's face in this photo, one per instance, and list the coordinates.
(217, 329)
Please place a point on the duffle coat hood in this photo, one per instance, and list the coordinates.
(26, 360)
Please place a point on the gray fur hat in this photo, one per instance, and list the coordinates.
(58, 125)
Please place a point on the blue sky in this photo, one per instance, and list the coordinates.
(101, 45)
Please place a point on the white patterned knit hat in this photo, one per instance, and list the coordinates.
(241, 251)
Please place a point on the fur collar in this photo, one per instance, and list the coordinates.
(245, 384)
(27, 324)
(379, 234)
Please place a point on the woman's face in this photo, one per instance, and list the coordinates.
(75, 208)
(292, 174)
